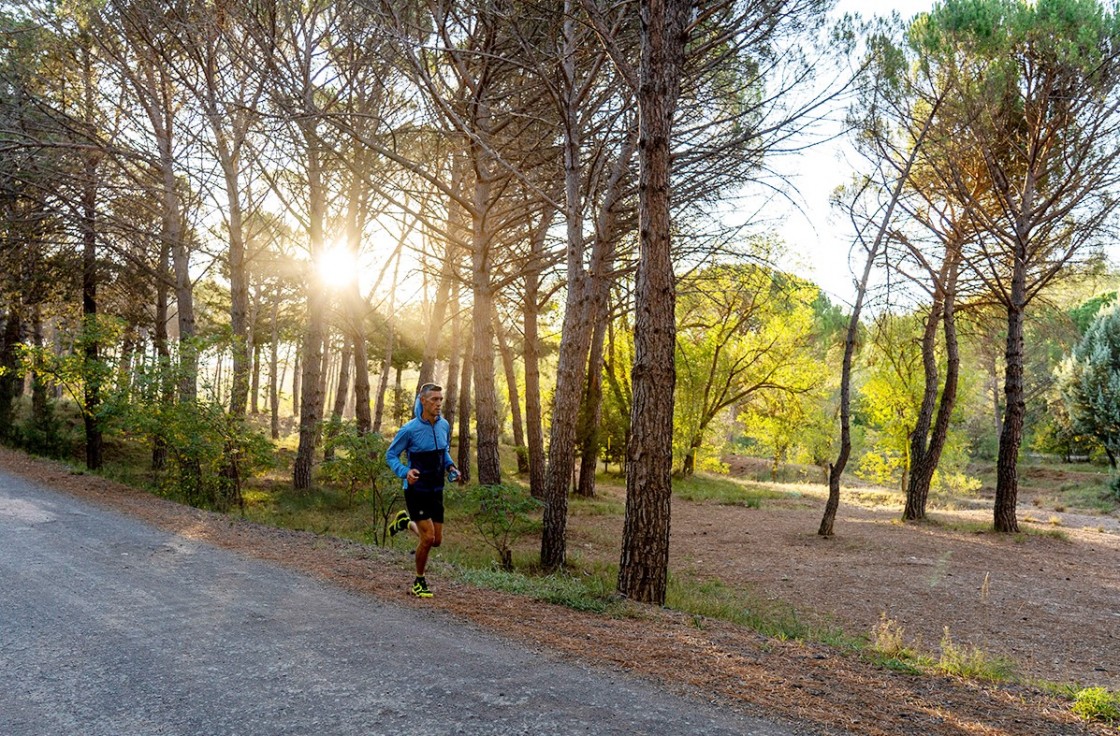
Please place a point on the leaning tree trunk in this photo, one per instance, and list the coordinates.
(926, 456)
(644, 566)
(836, 470)
(575, 333)
(916, 486)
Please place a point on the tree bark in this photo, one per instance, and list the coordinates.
(591, 413)
(1007, 480)
(454, 361)
(533, 414)
(311, 401)
(925, 456)
(10, 383)
(464, 449)
(273, 365)
(163, 350)
(341, 395)
(644, 565)
(482, 347)
(513, 394)
(255, 384)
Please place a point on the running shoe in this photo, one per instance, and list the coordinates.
(399, 523)
(420, 588)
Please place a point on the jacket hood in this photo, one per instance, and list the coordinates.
(417, 409)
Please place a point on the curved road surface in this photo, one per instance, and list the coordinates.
(109, 626)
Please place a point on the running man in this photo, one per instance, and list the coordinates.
(426, 440)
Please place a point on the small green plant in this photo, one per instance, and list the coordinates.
(972, 663)
(501, 515)
(888, 648)
(357, 464)
(1097, 704)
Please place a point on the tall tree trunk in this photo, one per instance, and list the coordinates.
(11, 385)
(311, 402)
(383, 380)
(454, 362)
(533, 413)
(591, 413)
(1007, 480)
(576, 330)
(361, 361)
(341, 396)
(163, 350)
(273, 365)
(464, 448)
(255, 385)
(40, 402)
(644, 566)
(514, 396)
(482, 351)
(88, 228)
(240, 318)
(435, 323)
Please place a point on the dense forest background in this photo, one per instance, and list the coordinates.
(236, 237)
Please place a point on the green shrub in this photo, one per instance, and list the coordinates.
(358, 465)
(501, 515)
(1097, 704)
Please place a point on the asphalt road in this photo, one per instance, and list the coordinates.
(109, 626)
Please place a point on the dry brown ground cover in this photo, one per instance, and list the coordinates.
(1047, 601)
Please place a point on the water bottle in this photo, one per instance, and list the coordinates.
(453, 475)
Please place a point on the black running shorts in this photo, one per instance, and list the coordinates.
(424, 504)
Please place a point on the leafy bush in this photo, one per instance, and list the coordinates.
(358, 464)
(501, 515)
(208, 451)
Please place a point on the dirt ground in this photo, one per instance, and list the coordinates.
(1046, 601)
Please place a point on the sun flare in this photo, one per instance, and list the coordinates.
(337, 266)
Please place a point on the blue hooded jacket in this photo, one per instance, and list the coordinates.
(428, 448)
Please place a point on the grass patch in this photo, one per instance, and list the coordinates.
(888, 648)
(1097, 704)
(599, 505)
(725, 491)
(715, 600)
(586, 593)
(973, 663)
(325, 511)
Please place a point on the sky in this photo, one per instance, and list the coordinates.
(818, 239)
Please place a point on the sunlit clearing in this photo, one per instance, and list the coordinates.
(337, 266)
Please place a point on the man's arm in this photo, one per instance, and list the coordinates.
(393, 454)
